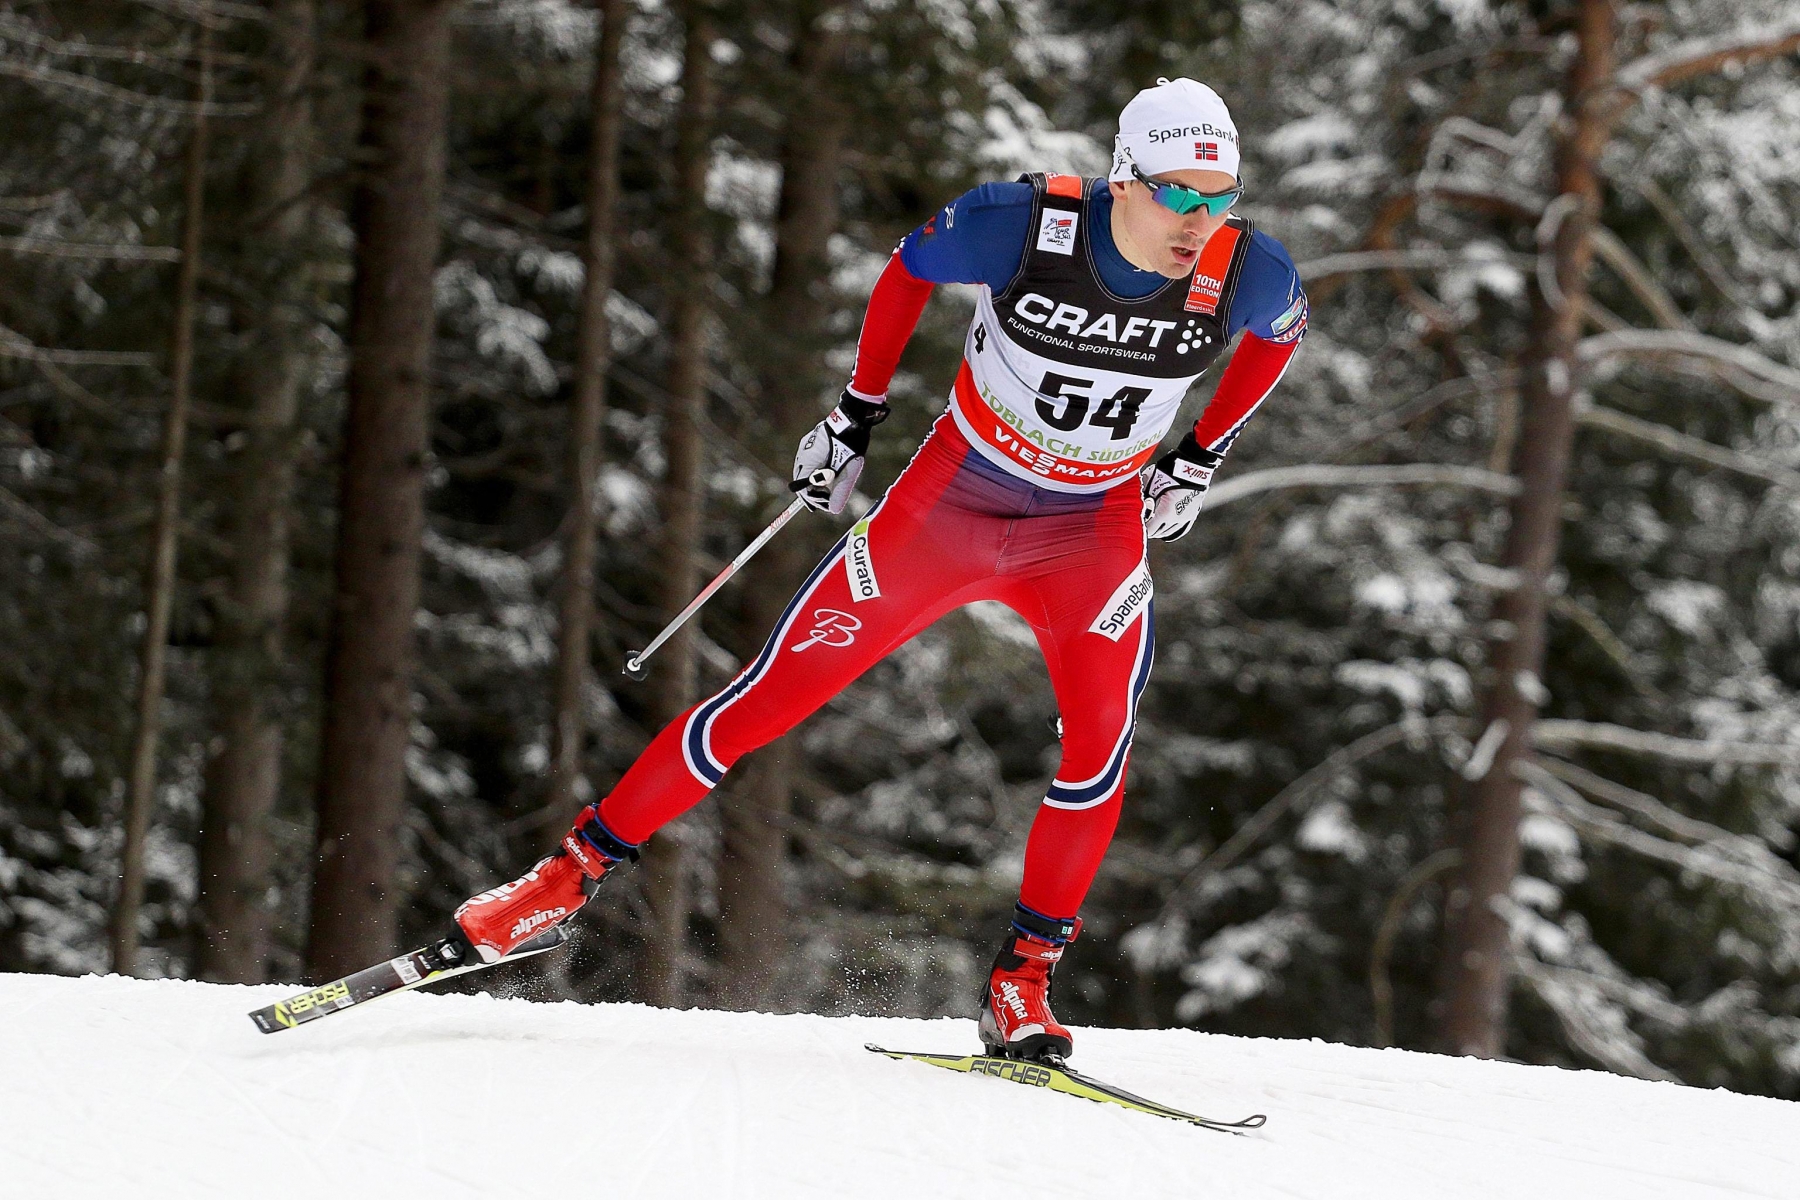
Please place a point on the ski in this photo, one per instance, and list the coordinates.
(428, 964)
(1068, 1081)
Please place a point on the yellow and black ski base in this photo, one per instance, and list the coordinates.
(1067, 1081)
(428, 964)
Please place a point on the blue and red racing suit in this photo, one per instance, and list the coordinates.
(1025, 491)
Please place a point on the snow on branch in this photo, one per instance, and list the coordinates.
(1594, 1028)
(1320, 475)
(118, 252)
(1685, 343)
(1423, 259)
(1563, 736)
(1549, 794)
(1700, 56)
(1675, 825)
(1680, 445)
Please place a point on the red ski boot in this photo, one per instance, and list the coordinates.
(1016, 1021)
(496, 921)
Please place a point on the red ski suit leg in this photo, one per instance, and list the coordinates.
(951, 530)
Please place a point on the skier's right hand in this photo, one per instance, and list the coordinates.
(839, 444)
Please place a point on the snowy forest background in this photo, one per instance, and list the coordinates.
(1318, 739)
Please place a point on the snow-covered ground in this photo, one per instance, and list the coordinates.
(116, 1088)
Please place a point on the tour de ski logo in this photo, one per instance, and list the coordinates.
(1056, 231)
(831, 627)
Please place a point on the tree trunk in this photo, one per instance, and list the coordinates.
(369, 663)
(672, 677)
(1477, 963)
(593, 356)
(159, 574)
(243, 780)
(753, 848)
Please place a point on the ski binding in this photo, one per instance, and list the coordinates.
(441, 959)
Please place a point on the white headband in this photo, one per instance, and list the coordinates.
(1177, 125)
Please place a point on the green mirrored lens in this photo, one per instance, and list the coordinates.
(1179, 199)
(1182, 200)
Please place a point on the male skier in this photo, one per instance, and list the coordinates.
(1100, 302)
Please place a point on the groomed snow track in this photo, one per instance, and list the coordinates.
(145, 1090)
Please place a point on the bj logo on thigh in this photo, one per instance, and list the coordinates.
(831, 627)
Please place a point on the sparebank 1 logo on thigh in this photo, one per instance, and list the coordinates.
(831, 627)
(1124, 605)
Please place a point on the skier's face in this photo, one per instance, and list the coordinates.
(1151, 237)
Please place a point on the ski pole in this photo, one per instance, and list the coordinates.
(634, 665)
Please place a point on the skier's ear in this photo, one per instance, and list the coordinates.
(1117, 189)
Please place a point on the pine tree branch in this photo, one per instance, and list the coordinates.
(1616, 254)
(1319, 475)
(118, 252)
(1558, 992)
(1676, 444)
(1562, 736)
(1609, 642)
(1701, 56)
(1706, 859)
(19, 31)
(1685, 343)
(1420, 259)
(24, 514)
(1298, 793)
(1678, 826)
(216, 13)
(50, 77)
(1703, 255)
(1627, 992)
(15, 345)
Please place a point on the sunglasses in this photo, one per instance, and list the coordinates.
(1184, 200)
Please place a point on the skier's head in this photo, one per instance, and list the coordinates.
(1174, 174)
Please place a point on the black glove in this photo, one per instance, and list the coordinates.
(838, 444)
(1175, 487)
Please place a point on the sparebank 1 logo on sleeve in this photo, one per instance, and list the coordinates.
(1056, 231)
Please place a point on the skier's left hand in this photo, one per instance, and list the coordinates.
(837, 444)
(1175, 487)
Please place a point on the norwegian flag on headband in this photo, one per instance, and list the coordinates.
(1206, 151)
